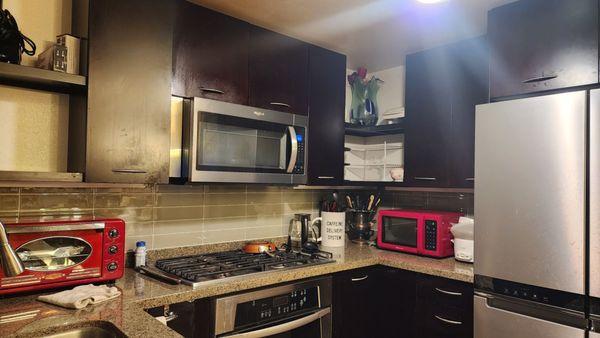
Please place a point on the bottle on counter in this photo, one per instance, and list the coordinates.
(140, 254)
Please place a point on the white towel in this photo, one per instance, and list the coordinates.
(81, 296)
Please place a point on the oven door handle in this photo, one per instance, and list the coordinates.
(16, 229)
(294, 151)
(281, 328)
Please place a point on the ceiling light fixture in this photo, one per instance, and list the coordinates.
(429, 2)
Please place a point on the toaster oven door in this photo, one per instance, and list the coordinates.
(52, 254)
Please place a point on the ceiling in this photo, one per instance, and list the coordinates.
(376, 34)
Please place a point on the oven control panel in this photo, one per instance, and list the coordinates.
(270, 308)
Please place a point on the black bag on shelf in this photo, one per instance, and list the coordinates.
(12, 42)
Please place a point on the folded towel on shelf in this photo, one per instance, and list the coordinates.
(82, 296)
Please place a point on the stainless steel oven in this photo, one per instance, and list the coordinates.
(226, 142)
(300, 310)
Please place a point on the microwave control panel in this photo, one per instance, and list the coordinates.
(430, 235)
(272, 308)
(299, 168)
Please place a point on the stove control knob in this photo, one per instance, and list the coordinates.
(112, 266)
(113, 249)
(113, 233)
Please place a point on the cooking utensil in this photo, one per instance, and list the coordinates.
(349, 200)
(371, 200)
(256, 247)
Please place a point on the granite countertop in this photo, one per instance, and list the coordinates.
(26, 317)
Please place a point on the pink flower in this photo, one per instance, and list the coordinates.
(362, 72)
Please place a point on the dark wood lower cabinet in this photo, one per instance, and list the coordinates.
(388, 303)
(444, 308)
(396, 303)
(354, 303)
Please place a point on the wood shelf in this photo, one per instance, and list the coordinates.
(385, 129)
(34, 176)
(40, 184)
(41, 79)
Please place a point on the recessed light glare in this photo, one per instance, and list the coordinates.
(431, 1)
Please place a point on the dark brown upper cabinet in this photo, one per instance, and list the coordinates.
(539, 45)
(210, 55)
(443, 87)
(469, 88)
(326, 123)
(278, 72)
(428, 118)
(129, 91)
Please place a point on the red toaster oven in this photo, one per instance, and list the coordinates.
(421, 232)
(57, 254)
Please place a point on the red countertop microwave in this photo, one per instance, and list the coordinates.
(65, 253)
(421, 232)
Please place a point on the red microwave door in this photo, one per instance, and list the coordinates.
(399, 233)
(51, 257)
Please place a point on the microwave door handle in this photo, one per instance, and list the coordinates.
(294, 152)
(282, 328)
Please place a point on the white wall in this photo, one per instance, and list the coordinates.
(391, 92)
(33, 128)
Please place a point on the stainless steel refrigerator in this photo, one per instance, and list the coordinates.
(537, 210)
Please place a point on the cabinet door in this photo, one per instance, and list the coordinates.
(538, 45)
(326, 123)
(396, 305)
(428, 118)
(210, 55)
(355, 303)
(470, 87)
(129, 88)
(278, 72)
(444, 309)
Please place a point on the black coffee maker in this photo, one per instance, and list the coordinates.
(12, 42)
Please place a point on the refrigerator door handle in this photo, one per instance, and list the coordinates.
(594, 191)
(493, 322)
(533, 310)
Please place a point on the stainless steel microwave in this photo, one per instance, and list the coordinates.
(214, 141)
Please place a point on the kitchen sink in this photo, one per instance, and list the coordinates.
(105, 330)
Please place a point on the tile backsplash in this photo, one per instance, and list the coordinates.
(172, 215)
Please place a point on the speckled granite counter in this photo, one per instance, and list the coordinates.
(140, 292)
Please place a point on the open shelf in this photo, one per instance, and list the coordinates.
(384, 129)
(42, 79)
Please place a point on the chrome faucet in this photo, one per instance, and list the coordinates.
(11, 263)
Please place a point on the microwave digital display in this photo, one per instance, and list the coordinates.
(400, 231)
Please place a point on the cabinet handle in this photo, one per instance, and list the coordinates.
(212, 90)
(280, 104)
(448, 292)
(325, 177)
(129, 171)
(470, 179)
(453, 322)
(359, 278)
(170, 315)
(425, 178)
(540, 78)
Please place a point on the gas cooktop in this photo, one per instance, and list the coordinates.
(196, 270)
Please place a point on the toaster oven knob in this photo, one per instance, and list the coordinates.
(113, 249)
(113, 233)
(112, 266)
